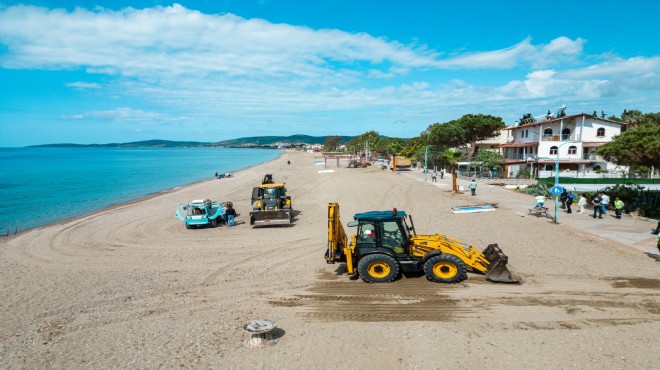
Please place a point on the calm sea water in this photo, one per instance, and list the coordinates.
(44, 185)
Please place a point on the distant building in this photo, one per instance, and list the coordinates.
(531, 149)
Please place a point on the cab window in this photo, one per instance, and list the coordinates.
(366, 233)
(392, 236)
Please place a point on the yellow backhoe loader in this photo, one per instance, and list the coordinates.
(270, 204)
(385, 246)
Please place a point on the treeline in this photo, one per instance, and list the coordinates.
(446, 143)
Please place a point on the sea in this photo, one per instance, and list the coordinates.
(40, 185)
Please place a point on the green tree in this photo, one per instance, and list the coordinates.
(465, 132)
(390, 145)
(487, 158)
(452, 157)
(639, 146)
(357, 143)
(331, 143)
(525, 119)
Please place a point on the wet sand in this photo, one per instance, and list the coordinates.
(131, 287)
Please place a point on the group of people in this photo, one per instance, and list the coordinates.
(600, 202)
(222, 175)
(434, 175)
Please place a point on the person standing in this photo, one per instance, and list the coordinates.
(473, 187)
(442, 174)
(569, 201)
(230, 212)
(563, 197)
(434, 176)
(605, 202)
(598, 207)
(582, 203)
(618, 206)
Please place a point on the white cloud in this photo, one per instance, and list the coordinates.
(558, 50)
(117, 114)
(79, 85)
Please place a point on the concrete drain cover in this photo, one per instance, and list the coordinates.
(260, 333)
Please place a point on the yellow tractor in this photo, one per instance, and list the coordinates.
(385, 246)
(270, 204)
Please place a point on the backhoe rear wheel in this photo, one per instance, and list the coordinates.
(445, 268)
(378, 268)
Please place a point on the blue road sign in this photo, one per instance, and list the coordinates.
(556, 190)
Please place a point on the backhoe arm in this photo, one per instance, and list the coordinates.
(337, 239)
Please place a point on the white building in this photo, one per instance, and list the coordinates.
(534, 147)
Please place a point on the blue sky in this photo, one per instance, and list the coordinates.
(119, 71)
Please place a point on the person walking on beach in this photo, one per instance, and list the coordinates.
(473, 187)
(582, 203)
(230, 212)
(618, 206)
(434, 176)
(569, 201)
(596, 201)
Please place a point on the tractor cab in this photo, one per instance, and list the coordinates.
(384, 231)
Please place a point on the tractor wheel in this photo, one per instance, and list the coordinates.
(378, 268)
(445, 268)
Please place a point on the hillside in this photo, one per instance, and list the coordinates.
(254, 141)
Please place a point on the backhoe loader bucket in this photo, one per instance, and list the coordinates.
(497, 270)
(266, 218)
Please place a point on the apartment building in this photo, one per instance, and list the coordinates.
(532, 149)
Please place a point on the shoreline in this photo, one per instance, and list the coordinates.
(130, 201)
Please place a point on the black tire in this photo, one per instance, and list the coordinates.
(378, 268)
(445, 268)
(188, 227)
(214, 222)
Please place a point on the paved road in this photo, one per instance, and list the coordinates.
(629, 231)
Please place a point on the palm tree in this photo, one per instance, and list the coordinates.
(452, 157)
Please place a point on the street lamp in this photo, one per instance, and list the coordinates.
(426, 154)
(556, 160)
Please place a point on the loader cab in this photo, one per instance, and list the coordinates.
(382, 231)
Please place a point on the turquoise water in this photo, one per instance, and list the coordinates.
(45, 185)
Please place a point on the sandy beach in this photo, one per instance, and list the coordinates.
(131, 287)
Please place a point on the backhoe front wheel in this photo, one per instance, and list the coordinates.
(378, 268)
(445, 268)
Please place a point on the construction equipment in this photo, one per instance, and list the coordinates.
(384, 246)
(270, 205)
(201, 212)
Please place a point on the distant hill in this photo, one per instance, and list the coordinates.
(273, 140)
(251, 142)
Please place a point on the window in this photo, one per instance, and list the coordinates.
(526, 133)
(553, 150)
(566, 134)
(572, 149)
(549, 167)
(547, 131)
(600, 132)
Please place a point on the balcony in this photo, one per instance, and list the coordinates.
(593, 157)
(519, 157)
(563, 137)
